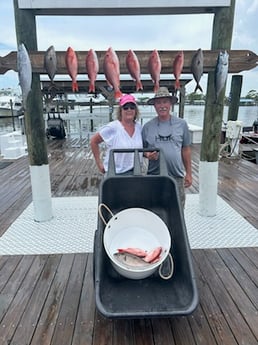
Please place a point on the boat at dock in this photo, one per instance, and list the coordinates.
(10, 105)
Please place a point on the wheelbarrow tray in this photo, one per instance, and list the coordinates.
(119, 297)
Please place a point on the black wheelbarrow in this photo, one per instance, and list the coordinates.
(120, 297)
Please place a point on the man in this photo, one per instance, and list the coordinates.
(170, 134)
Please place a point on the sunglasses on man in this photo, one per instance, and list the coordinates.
(129, 106)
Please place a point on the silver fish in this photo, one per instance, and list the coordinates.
(50, 63)
(24, 72)
(221, 72)
(197, 68)
(130, 260)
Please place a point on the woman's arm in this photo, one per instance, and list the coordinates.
(94, 143)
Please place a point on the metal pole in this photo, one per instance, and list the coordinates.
(11, 104)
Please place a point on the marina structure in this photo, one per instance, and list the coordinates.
(47, 285)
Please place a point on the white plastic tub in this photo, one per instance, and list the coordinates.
(136, 228)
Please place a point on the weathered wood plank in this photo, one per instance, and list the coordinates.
(53, 303)
(243, 275)
(13, 284)
(11, 320)
(67, 315)
(252, 254)
(60, 305)
(211, 308)
(8, 265)
(181, 330)
(239, 60)
(230, 304)
(123, 332)
(103, 330)
(234, 288)
(142, 332)
(30, 317)
(84, 326)
(162, 332)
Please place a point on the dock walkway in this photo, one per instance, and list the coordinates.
(49, 299)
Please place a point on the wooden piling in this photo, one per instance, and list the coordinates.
(235, 92)
(213, 115)
(221, 39)
(34, 122)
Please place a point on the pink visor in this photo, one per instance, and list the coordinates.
(127, 99)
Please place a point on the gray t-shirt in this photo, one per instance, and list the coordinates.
(169, 136)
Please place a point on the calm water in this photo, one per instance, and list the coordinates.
(194, 115)
(82, 121)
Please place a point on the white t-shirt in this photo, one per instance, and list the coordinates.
(116, 137)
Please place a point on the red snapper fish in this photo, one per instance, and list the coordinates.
(149, 257)
(92, 67)
(153, 255)
(72, 67)
(135, 251)
(178, 67)
(111, 69)
(154, 67)
(133, 66)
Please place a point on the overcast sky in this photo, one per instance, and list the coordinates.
(135, 32)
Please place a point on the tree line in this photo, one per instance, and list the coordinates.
(194, 97)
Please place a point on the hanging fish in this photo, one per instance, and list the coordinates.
(197, 68)
(178, 67)
(24, 72)
(154, 67)
(50, 63)
(112, 71)
(92, 67)
(133, 66)
(72, 67)
(221, 72)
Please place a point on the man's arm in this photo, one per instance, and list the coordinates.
(187, 161)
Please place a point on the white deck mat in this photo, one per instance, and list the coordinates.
(75, 219)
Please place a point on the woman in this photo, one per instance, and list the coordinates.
(123, 133)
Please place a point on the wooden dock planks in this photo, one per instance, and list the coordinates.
(50, 299)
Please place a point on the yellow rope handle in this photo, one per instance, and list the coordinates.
(100, 212)
(172, 268)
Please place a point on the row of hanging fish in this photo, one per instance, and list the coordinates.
(111, 68)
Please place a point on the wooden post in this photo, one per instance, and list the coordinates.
(11, 105)
(235, 92)
(181, 102)
(34, 122)
(213, 115)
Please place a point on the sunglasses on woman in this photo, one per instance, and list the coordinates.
(129, 106)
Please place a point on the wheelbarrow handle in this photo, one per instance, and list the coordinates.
(163, 171)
